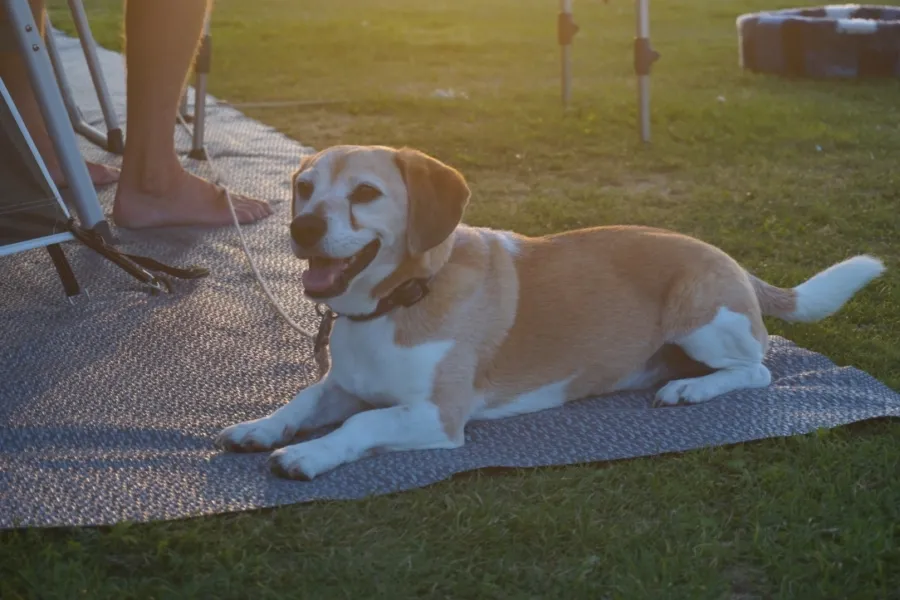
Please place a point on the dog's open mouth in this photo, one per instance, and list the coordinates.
(327, 277)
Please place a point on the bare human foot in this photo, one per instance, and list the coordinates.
(186, 200)
(99, 174)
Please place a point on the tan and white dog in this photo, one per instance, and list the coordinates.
(440, 323)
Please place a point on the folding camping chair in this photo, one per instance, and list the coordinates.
(31, 48)
(44, 64)
(32, 213)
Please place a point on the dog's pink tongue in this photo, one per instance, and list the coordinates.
(321, 278)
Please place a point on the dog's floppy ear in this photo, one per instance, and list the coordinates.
(438, 195)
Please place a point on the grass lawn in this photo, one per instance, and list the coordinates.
(787, 176)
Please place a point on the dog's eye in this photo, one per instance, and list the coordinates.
(304, 189)
(364, 193)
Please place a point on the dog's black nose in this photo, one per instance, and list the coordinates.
(307, 230)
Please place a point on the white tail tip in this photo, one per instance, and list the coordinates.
(826, 292)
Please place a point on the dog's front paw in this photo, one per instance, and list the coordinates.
(254, 436)
(674, 392)
(302, 461)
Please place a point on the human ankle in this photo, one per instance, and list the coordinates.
(152, 178)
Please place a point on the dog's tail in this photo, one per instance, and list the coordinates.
(820, 296)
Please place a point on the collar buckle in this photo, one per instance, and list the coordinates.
(410, 292)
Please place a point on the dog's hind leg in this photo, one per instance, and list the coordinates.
(726, 344)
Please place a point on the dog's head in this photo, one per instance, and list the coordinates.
(359, 212)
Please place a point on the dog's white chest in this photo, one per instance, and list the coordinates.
(368, 363)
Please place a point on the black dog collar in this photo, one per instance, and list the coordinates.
(404, 295)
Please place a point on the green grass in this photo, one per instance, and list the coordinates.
(787, 176)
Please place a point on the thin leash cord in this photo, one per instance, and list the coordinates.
(237, 225)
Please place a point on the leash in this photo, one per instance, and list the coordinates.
(321, 337)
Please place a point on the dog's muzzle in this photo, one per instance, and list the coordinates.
(308, 230)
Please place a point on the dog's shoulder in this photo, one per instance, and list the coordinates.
(473, 293)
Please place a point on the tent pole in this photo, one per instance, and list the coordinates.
(644, 57)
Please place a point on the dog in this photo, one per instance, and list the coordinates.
(438, 323)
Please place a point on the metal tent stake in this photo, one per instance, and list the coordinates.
(644, 57)
(565, 32)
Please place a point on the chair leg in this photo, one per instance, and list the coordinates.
(183, 108)
(64, 269)
(114, 139)
(79, 123)
(202, 67)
